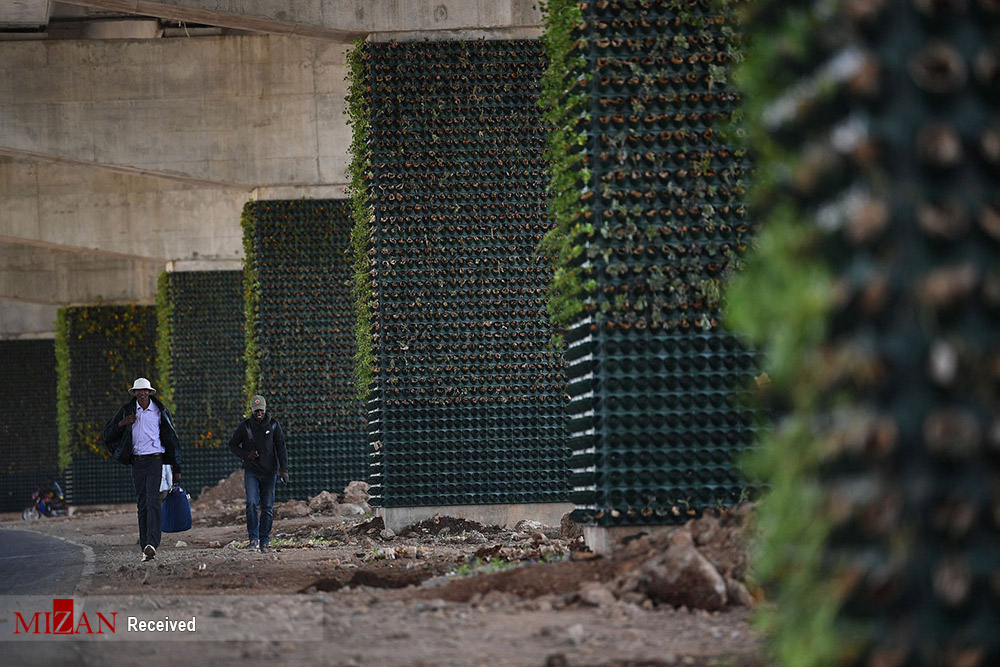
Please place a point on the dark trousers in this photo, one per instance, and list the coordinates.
(146, 472)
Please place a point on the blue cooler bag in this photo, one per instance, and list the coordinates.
(176, 511)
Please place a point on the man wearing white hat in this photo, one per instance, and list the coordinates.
(142, 435)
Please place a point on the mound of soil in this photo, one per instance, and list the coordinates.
(228, 489)
(449, 526)
(527, 582)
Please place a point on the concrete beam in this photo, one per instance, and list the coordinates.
(340, 20)
(239, 111)
(93, 210)
(27, 320)
(56, 277)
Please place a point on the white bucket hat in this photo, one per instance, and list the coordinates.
(141, 383)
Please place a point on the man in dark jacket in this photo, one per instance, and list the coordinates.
(259, 442)
(142, 435)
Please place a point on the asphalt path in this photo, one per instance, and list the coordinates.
(36, 564)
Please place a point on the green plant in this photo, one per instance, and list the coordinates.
(164, 336)
(100, 351)
(251, 301)
(874, 329)
(478, 566)
(65, 456)
(567, 106)
(359, 169)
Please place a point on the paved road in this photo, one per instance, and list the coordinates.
(34, 564)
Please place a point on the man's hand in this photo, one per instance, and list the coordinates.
(284, 478)
(129, 420)
(176, 477)
(253, 455)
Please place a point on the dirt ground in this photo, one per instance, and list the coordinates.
(445, 592)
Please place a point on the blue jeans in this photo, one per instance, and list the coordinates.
(260, 498)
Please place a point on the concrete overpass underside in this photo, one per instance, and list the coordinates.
(132, 132)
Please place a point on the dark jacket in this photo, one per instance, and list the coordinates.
(265, 438)
(118, 441)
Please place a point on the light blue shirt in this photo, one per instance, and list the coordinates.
(146, 430)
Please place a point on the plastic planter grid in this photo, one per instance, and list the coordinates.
(468, 403)
(109, 346)
(305, 336)
(207, 370)
(656, 424)
(30, 455)
(884, 466)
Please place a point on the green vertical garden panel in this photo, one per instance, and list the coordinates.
(28, 434)
(649, 211)
(300, 342)
(467, 402)
(876, 292)
(206, 341)
(100, 351)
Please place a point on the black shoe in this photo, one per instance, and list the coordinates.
(264, 548)
(254, 545)
(148, 553)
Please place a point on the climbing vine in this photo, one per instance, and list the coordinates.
(251, 303)
(164, 336)
(361, 213)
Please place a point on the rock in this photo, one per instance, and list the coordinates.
(350, 509)
(738, 593)
(569, 529)
(704, 530)
(475, 537)
(180, 543)
(215, 544)
(539, 538)
(387, 534)
(576, 634)
(629, 583)
(682, 576)
(233, 545)
(356, 493)
(596, 594)
(322, 501)
(291, 509)
(529, 526)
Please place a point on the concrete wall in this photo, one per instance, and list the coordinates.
(336, 19)
(243, 111)
(125, 154)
